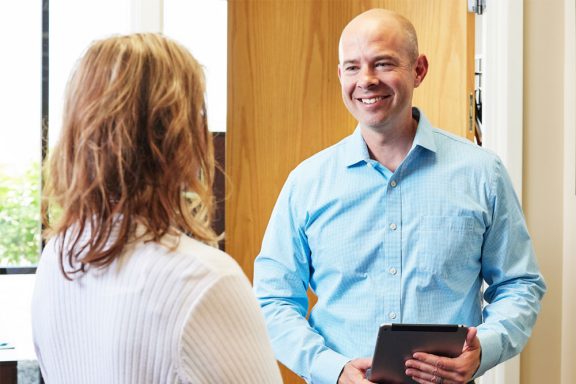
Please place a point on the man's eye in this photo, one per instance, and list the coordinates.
(351, 68)
(383, 65)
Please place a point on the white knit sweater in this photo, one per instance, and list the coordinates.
(152, 316)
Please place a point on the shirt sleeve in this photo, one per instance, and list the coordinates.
(515, 284)
(224, 339)
(281, 279)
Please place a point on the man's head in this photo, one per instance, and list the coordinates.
(379, 68)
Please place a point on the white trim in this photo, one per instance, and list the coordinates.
(568, 347)
(502, 84)
(147, 15)
(502, 112)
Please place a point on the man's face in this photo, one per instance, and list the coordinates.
(377, 75)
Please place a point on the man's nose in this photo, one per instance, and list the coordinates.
(367, 79)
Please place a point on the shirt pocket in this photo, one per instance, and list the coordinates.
(449, 245)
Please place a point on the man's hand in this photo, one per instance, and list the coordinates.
(431, 369)
(354, 372)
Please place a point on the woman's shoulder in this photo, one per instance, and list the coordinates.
(211, 258)
(50, 257)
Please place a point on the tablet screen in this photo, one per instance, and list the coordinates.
(397, 343)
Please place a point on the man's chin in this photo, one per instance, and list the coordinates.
(374, 124)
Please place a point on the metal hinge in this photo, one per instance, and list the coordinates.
(471, 113)
(477, 6)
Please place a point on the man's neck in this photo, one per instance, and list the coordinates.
(390, 147)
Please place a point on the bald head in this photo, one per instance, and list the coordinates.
(381, 20)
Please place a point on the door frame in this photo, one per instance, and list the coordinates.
(502, 108)
(502, 35)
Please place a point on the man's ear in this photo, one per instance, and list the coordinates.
(421, 69)
(339, 73)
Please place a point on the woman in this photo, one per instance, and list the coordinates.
(129, 288)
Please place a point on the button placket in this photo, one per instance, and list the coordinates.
(393, 249)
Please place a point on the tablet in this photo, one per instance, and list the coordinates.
(397, 343)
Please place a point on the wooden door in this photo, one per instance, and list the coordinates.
(284, 101)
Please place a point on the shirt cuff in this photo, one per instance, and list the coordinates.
(491, 351)
(327, 367)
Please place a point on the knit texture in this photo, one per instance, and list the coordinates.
(152, 316)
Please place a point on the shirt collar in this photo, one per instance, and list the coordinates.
(356, 151)
(424, 132)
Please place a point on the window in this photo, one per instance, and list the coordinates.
(73, 26)
(20, 133)
(202, 27)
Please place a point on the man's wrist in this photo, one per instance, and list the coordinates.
(342, 370)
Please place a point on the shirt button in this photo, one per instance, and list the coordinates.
(392, 315)
(392, 271)
(393, 226)
(393, 183)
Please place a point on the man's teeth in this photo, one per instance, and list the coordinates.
(372, 100)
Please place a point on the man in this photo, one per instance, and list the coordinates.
(399, 222)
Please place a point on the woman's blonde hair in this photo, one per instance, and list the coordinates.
(134, 148)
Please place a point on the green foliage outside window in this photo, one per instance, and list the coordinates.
(20, 218)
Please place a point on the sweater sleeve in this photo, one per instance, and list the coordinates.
(224, 339)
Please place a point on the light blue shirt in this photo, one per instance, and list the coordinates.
(413, 246)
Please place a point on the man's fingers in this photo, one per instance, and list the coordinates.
(414, 367)
(433, 369)
(363, 363)
(430, 380)
(434, 361)
(354, 372)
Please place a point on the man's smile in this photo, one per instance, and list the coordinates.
(372, 100)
